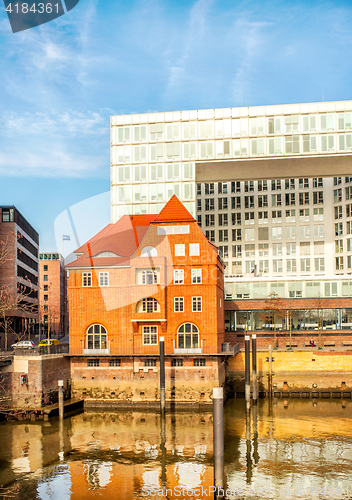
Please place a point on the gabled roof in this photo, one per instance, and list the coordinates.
(174, 211)
(122, 238)
(98, 236)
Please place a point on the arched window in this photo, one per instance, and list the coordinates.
(97, 337)
(149, 252)
(188, 336)
(148, 305)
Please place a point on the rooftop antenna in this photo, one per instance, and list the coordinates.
(323, 95)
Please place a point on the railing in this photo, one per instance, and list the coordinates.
(96, 352)
(54, 349)
(40, 351)
(189, 350)
(305, 327)
(227, 348)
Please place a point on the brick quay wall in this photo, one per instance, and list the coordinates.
(313, 373)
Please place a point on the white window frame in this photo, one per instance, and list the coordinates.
(104, 278)
(145, 273)
(319, 264)
(149, 303)
(194, 249)
(86, 279)
(180, 250)
(179, 304)
(197, 304)
(150, 335)
(305, 264)
(179, 276)
(196, 276)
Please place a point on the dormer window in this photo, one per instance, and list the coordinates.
(149, 252)
(106, 254)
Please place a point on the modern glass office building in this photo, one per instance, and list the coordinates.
(270, 185)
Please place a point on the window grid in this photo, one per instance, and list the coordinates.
(104, 279)
(150, 335)
(196, 304)
(179, 304)
(86, 279)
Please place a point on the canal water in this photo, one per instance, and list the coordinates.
(284, 449)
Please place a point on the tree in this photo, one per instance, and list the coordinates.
(275, 306)
(5, 251)
(13, 300)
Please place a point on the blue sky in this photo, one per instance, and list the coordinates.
(61, 81)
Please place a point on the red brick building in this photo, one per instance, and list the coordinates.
(142, 278)
(52, 295)
(19, 243)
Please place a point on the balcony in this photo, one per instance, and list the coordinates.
(96, 352)
(185, 350)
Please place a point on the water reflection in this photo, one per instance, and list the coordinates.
(283, 448)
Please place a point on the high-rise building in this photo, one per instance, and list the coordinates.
(270, 185)
(19, 243)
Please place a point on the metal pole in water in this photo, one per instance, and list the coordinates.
(270, 389)
(254, 368)
(218, 437)
(248, 448)
(255, 435)
(162, 375)
(163, 450)
(247, 378)
(60, 384)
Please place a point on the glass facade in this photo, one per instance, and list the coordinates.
(289, 319)
(293, 228)
(261, 288)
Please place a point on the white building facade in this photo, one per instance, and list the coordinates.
(270, 185)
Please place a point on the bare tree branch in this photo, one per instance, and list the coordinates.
(14, 300)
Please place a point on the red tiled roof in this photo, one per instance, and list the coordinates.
(174, 211)
(96, 237)
(122, 238)
(87, 261)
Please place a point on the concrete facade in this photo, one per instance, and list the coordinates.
(31, 381)
(18, 275)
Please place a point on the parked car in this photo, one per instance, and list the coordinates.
(45, 342)
(23, 344)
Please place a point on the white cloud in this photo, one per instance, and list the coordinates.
(62, 123)
(49, 162)
(251, 38)
(68, 144)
